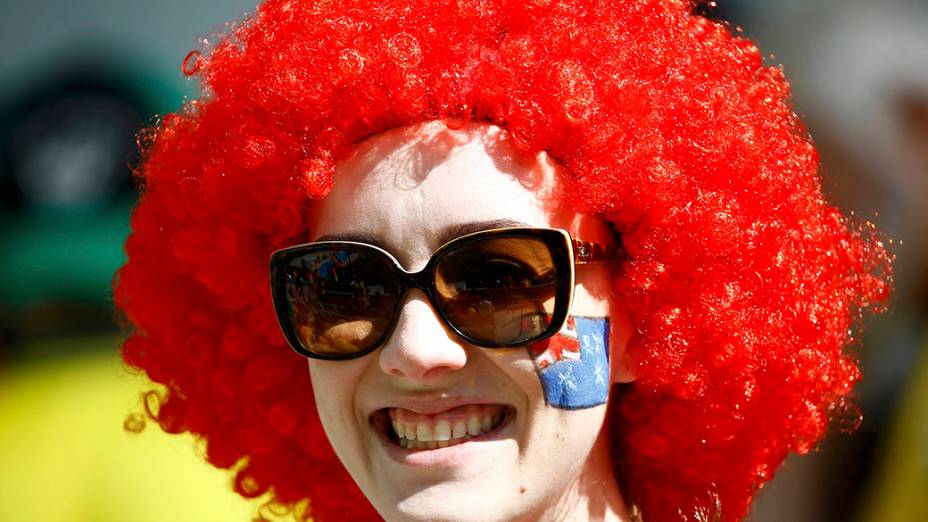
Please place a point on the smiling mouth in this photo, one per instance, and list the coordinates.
(418, 432)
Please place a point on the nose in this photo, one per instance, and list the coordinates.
(420, 348)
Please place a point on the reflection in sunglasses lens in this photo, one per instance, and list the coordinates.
(341, 300)
(498, 290)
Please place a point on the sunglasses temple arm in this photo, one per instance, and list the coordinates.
(586, 252)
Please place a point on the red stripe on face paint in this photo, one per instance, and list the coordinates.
(564, 345)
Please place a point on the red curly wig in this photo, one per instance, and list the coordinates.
(745, 287)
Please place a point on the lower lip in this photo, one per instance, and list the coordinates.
(451, 456)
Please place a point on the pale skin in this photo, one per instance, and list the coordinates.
(406, 189)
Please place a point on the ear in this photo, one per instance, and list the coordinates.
(621, 367)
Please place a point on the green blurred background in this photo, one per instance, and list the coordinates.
(80, 78)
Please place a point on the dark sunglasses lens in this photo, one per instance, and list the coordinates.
(498, 290)
(341, 300)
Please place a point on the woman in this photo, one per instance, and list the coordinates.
(507, 154)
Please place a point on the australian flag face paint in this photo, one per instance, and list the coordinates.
(574, 364)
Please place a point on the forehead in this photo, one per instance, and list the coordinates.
(406, 188)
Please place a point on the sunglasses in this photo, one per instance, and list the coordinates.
(499, 288)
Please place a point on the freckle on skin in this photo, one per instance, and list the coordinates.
(521, 489)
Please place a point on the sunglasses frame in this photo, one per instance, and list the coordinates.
(566, 252)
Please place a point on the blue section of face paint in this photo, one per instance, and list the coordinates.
(575, 383)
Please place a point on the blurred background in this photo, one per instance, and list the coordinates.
(79, 79)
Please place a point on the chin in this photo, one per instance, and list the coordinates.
(450, 510)
(448, 502)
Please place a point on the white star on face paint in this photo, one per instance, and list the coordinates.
(566, 379)
(600, 374)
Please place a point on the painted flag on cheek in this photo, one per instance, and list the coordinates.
(574, 364)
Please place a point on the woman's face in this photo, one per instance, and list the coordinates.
(407, 189)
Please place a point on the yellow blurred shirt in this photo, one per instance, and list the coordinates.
(898, 491)
(64, 456)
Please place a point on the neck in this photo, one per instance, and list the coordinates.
(595, 495)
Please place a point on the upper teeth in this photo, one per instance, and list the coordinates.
(444, 430)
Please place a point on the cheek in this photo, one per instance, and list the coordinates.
(573, 366)
(334, 394)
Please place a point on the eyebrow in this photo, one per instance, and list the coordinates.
(447, 234)
(462, 229)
